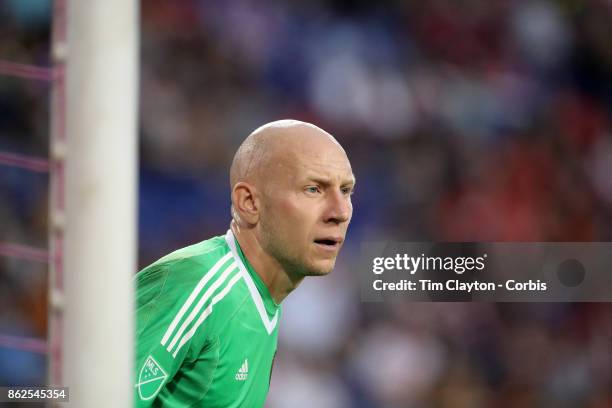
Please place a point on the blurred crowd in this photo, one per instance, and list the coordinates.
(464, 121)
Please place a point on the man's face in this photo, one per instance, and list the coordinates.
(306, 207)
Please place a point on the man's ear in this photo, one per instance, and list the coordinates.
(246, 203)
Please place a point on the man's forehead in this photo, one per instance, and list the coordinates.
(325, 165)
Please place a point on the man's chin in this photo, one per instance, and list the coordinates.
(321, 268)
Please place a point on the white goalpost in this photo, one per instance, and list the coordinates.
(98, 224)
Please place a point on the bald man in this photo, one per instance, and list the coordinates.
(207, 314)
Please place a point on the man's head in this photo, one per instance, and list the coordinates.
(291, 189)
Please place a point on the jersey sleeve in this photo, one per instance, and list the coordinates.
(164, 304)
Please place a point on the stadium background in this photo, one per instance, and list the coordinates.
(475, 120)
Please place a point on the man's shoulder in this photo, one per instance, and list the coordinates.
(183, 268)
(192, 258)
(202, 253)
(195, 285)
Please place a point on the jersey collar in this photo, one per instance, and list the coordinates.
(259, 292)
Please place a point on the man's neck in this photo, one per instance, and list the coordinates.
(271, 272)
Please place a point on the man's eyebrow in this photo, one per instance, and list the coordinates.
(324, 181)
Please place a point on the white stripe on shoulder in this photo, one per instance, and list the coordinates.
(207, 312)
(208, 276)
(209, 292)
(268, 324)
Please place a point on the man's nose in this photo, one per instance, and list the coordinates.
(339, 208)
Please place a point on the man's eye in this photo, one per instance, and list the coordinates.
(347, 191)
(312, 189)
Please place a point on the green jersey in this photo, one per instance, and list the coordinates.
(206, 329)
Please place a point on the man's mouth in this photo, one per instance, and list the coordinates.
(329, 242)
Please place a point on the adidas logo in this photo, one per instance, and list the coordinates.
(242, 374)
